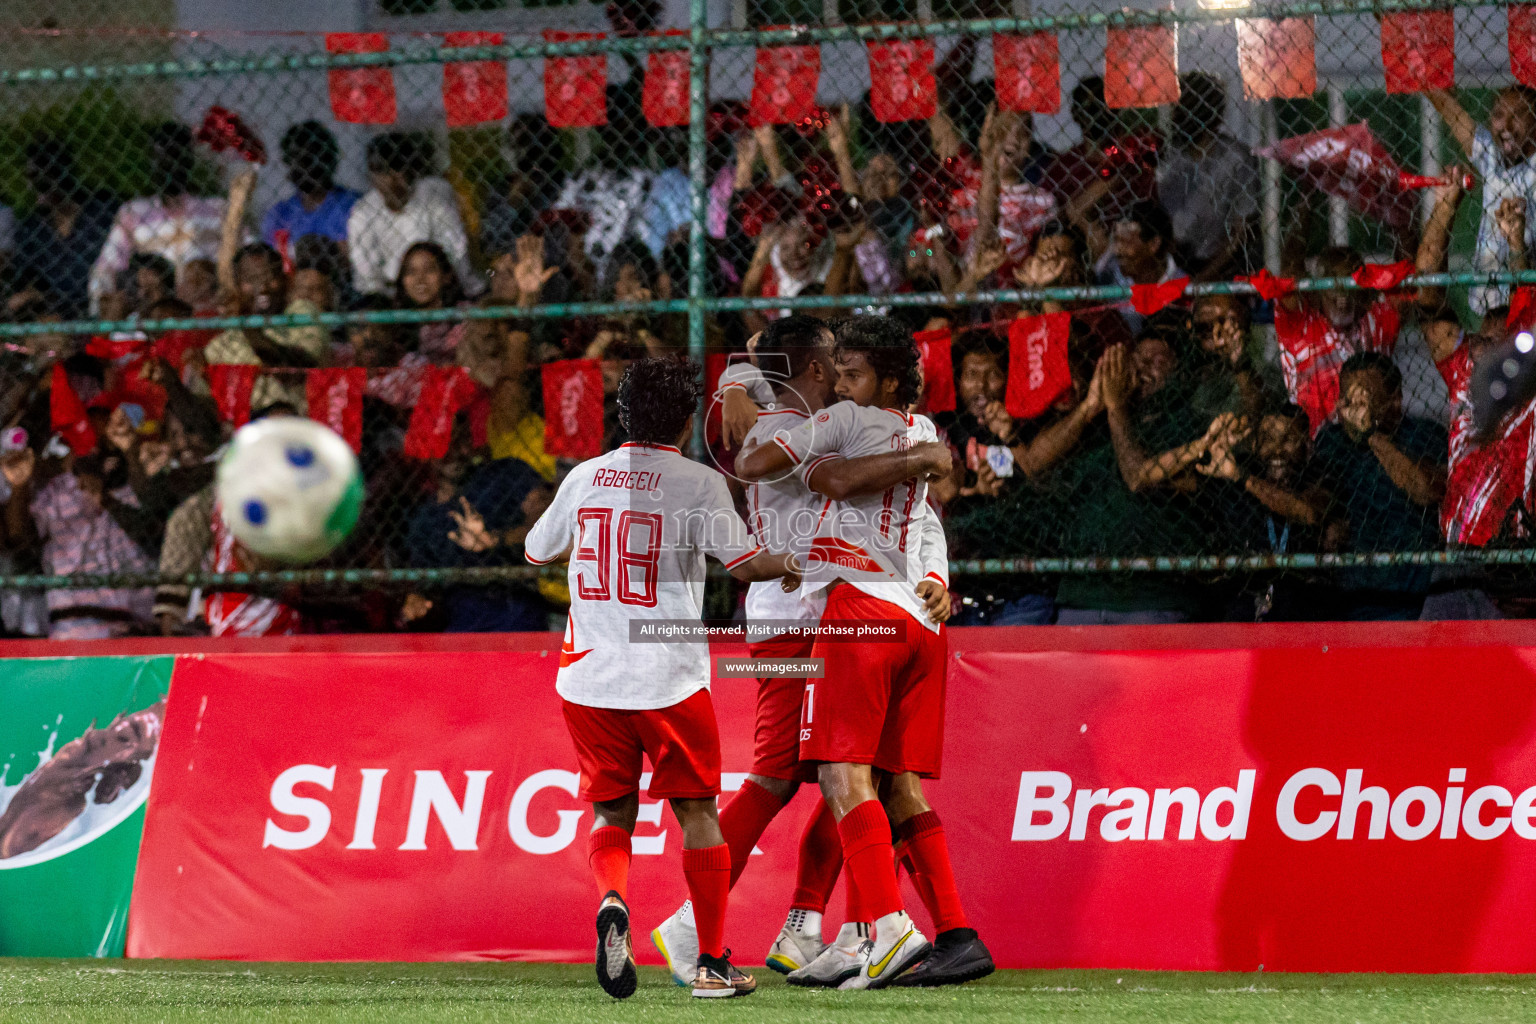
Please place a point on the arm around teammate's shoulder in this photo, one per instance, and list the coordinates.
(768, 566)
(871, 474)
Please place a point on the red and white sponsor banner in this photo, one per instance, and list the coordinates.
(1307, 798)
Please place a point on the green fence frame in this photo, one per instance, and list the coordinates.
(700, 40)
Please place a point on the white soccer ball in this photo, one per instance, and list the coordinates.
(289, 488)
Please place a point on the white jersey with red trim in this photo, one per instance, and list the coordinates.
(884, 544)
(638, 522)
(782, 515)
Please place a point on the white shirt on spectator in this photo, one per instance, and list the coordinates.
(613, 199)
(185, 231)
(1499, 183)
(1209, 197)
(378, 237)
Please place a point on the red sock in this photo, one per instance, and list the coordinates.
(853, 901)
(821, 859)
(919, 880)
(743, 820)
(926, 846)
(608, 853)
(708, 871)
(867, 853)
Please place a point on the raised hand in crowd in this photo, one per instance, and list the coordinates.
(17, 468)
(529, 271)
(983, 262)
(471, 533)
(837, 131)
(1510, 218)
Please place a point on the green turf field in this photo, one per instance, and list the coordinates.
(131, 992)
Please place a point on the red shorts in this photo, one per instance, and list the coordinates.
(681, 741)
(880, 704)
(776, 744)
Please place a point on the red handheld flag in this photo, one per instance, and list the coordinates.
(901, 83)
(1351, 163)
(1147, 299)
(223, 129)
(1278, 59)
(444, 391)
(935, 350)
(784, 84)
(1383, 277)
(575, 88)
(1038, 372)
(474, 92)
(1522, 309)
(1269, 286)
(664, 94)
(112, 349)
(573, 408)
(361, 95)
(67, 416)
(1412, 181)
(232, 384)
(282, 240)
(1418, 50)
(1141, 67)
(335, 398)
(1026, 70)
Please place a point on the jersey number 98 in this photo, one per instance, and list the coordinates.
(638, 543)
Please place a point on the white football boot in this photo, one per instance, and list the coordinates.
(799, 942)
(677, 940)
(897, 946)
(840, 961)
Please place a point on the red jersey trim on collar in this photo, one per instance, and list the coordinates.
(659, 447)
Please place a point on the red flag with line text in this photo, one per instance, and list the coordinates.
(901, 83)
(664, 94)
(361, 95)
(1418, 50)
(575, 88)
(1038, 372)
(445, 390)
(1277, 58)
(573, 408)
(474, 92)
(232, 384)
(784, 84)
(1141, 67)
(335, 398)
(1027, 72)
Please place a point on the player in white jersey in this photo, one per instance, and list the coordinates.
(795, 355)
(636, 524)
(880, 707)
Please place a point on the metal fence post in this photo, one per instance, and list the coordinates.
(698, 101)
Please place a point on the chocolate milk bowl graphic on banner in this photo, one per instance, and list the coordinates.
(90, 785)
(78, 738)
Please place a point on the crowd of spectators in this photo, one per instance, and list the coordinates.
(1221, 426)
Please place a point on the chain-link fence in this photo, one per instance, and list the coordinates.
(1199, 291)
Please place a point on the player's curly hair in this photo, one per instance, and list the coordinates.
(887, 344)
(656, 397)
